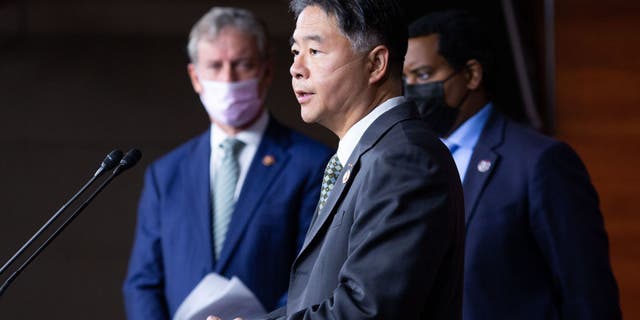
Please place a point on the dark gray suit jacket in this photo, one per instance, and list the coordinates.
(389, 242)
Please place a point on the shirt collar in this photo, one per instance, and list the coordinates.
(467, 135)
(250, 135)
(350, 139)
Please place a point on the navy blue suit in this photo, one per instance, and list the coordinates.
(536, 247)
(173, 242)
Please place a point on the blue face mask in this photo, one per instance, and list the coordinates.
(432, 106)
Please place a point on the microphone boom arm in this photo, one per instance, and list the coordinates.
(110, 161)
(54, 235)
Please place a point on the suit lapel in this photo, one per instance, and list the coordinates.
(350, 170)
(483, 163)
(197, 193)
(321, 216)
(258, 180)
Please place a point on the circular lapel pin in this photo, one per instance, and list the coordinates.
(484, 165)
(268, 160)
(346, 175)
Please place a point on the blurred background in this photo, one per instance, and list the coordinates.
(79, 78)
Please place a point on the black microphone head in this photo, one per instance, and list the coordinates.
(130, 159)
(112, 159)
(109, 162)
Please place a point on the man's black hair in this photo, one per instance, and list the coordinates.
(367, 23)
(462, 37)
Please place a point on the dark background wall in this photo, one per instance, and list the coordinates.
(79, 78)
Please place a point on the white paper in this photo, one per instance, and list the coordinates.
(219, 296)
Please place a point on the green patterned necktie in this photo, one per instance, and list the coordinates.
(224, 189)
(331, 173)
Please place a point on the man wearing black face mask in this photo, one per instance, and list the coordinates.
(536, 247)
(430, 98)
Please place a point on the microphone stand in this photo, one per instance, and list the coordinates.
(129, 160)
(55, 234)
(110, 161)
(46, 225)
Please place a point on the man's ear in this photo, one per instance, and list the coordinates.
(378, 64)
(195, 82)
(473, 74)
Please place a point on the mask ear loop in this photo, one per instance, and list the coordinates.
(467, 92)
(453, 74)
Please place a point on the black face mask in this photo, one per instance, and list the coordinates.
(432, 105)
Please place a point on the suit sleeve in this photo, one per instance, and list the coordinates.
(568, 225)
(144, 284)
(403, 229)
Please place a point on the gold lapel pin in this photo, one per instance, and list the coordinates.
(268, 160)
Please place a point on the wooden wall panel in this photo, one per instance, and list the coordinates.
(598, 113)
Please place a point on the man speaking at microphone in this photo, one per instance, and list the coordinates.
(387, 239)
(236, 200)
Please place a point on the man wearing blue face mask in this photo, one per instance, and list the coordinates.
(535, 245)
(236, 200)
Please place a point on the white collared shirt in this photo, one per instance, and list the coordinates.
(251, 138)
(350, 139)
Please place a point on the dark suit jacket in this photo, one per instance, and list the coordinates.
(173, 243)
(389, 242)
(536, 247)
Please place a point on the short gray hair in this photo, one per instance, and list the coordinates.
(210, 25)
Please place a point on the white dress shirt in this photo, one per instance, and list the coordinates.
(251, 138)
(350, 139)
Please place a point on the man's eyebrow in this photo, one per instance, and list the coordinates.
(425, 68)
(313, 37)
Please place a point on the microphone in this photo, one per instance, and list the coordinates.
(129, 160)
(108, 163)
(112, 159)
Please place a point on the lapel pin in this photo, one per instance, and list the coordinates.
(484, 166)
(346, 175)
(268, 160)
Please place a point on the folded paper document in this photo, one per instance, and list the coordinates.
(219, 296)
